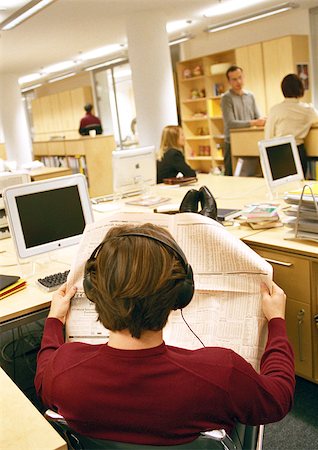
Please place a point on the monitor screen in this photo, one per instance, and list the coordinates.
(280, 161)
(47, 215)
(133, 169)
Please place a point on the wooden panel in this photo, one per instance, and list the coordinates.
(311, 142)
(250, 58)
(3, 154)
(291, 273)
(33, 430)
(278, 62)
(56, 148)
(244, 141)
(76, 147)
(65, 107)
(56, 114)
(79, 97)
(298, 321)
(99, 164)
(40, 148)
(300, 51)
(314, 323)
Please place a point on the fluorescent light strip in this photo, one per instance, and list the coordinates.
(106, 63)
(62, 77)
(179, 40)
(30, 88)
(25, 15)
(247, 19)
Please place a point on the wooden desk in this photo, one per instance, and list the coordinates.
(44, 173)
(244, 142)
(22, 425)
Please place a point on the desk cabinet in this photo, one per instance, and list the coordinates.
(294, 274)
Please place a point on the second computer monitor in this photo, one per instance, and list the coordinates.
(280, 161)
(134, 169)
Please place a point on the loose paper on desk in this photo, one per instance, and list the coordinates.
(226, 308)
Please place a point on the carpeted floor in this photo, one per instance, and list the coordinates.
(299, 429)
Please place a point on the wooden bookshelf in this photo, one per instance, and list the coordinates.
(91, 156)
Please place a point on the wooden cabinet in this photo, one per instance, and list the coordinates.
(281, 57)
(294, 274)
(250, 58)
(58, 115)
(201, 83)
(90, 156)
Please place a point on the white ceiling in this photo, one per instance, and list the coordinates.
(67, 27)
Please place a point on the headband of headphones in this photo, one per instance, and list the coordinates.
(183, 291)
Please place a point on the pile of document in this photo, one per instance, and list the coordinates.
(302, 213)
(9, 284)
(264, 215)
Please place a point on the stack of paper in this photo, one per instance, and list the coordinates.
(262, 216)
(9, 284)
(302, 214)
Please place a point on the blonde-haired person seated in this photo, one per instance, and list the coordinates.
(171, 154)
(136, 389)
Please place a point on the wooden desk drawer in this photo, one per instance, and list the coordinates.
(298, 323)
(291, 273)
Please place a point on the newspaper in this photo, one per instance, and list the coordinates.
(226, 308)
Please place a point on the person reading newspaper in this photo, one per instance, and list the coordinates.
(137, 389)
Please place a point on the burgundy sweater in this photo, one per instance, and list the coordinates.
(163, 395)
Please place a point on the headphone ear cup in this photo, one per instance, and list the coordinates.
(185, 290)
(87, 282)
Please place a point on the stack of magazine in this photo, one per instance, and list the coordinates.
(262, 216)
(302, 213)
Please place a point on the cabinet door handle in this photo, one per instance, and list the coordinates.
(280, 263)
(300, 319)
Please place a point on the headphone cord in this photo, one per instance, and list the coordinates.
(181, 311)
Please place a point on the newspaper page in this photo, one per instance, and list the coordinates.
(226, 308)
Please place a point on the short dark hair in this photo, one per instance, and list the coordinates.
(233, 69)
(132, 278)
(88, 107)
(292, 86)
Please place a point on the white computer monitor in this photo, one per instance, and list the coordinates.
(133, 169)
(280, 161)
(47, 215)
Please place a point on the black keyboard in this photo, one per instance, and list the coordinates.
(53, 282)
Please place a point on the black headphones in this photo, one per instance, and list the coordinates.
(183, 291)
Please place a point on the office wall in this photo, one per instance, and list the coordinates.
(291, 22)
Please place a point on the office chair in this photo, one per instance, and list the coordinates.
(244, 438)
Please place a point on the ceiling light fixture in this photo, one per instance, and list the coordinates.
(242, 20)
(24, 13)
(101, 52)
(30, 88)
(62, 77)
(111, 62)
(180, 39)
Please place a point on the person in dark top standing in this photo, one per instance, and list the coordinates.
(136, 388)
(172, 159)
(89, 122)
(239, 110)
